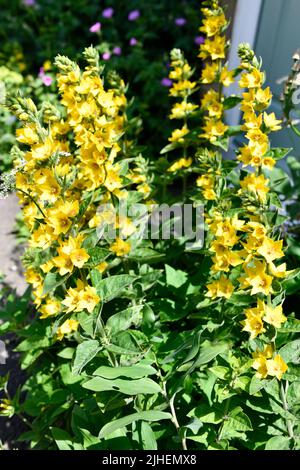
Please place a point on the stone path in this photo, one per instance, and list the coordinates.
(10, 266)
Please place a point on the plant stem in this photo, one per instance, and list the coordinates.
(174, 416)
(283, 393)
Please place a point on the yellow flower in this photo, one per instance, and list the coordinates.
(47, 65)
(227, 77)
(252, 79)
(102, 266)
(271, 122)
(209, 97)
(178, 135)
(253, 323)
(213, 130)
(215, 48)
(179, 164)
(220, 288)
(276, 367)
(274, 316)
(6, 407)
(279, 271)
(181, 88)
(209, 73)
(120, 247)
(213, 25)
(181, 110)
(263, 98)
(255, 276)
(50, 308)
(260, 361)
(88, 299)
(271, 250)
(27, 135)
(66, 328)
(257, 185)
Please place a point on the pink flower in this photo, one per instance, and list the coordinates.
(106, 55)
(134, 15)
(95, 28)
(166, 82)
(41, 72)
(29, 3)
(108, 12)
(47, 80)
(180, 21)
(133, 42)
(117, 50)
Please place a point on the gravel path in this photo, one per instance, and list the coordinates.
(11, 267)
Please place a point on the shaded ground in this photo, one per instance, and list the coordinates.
(10, 266)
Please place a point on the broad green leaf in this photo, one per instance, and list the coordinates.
(278, 443)
(207, 414)
(291, 352)
(147, 438)
(134, 371)
(66, 353)
(52, 281)
(62, 439)
(230, 103)
(293, 394)
(97, 255)
(236, 425)
(279, 153)
(208, 353)
(150, 416)
(111, 287)
(85, 352)
(292, 325)
(175, 277)
(121, 321)
(146, 255)
(257, 384)
(128, 387)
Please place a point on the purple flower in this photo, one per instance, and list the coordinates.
(199, 40)
(166, 82)
(95, 28)
(180, 21)
(29, 3)
(47, 80)
(117, 50)
(133, 42)
(108, 12)
(134, 15)
(106, 55)
(41, 72)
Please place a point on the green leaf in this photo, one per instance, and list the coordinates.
(128, 387)
(85, 352)
(231, 102)
(208, 353)
(150, 416)
(236, 425)
(111, 287)
(66, 353)
(291, 352)
(121, 321)
(207, 414)
(146, 255)
(134, 371)
(175, 277)
(278, 443)
(279, 153)
(62, 438)
(257, 384)
(169, 147)
(292, 325)
(52, 281)
(148, 441)
(97, 255)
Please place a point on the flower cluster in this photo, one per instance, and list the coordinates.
(73, 165)
(247, 249)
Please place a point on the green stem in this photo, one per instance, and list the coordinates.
(31, 198)
(283, 393)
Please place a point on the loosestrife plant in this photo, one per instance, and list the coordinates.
(144, 344)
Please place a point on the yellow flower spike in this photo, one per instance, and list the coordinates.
(271, 122)
(179, 134)
(253, 79)
(220, 288)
